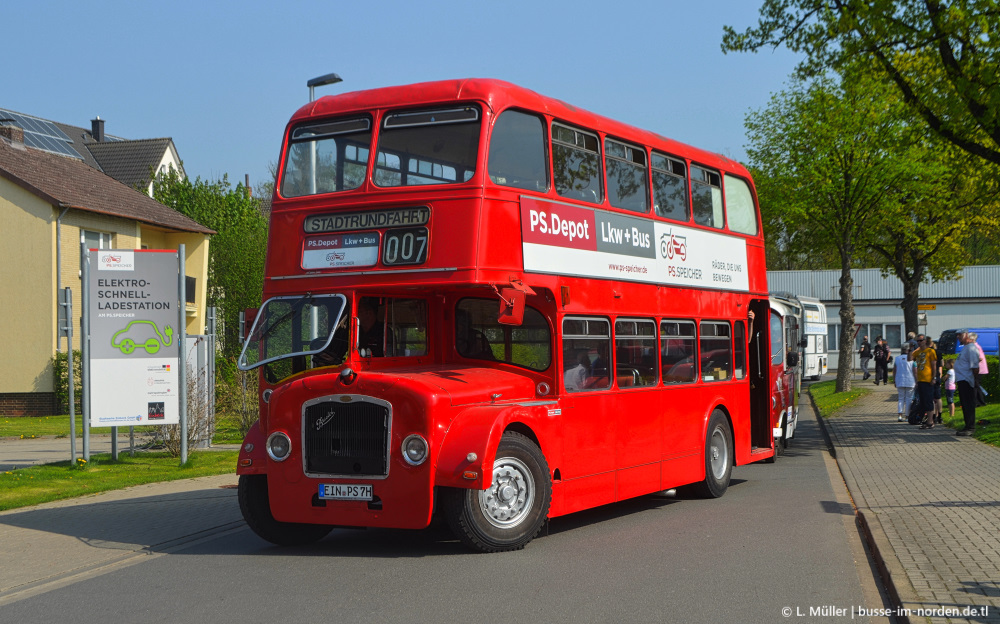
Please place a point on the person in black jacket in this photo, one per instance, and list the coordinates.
(882, 354)
(866, 355)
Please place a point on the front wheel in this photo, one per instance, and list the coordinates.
(718, 458)
(256, 509)
(510, 512)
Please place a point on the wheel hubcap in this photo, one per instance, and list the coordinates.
(507, 502)
(719, 453)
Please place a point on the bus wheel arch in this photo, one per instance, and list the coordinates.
(510, 512)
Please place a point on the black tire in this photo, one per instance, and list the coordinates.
(257, 513)
(781, 443)
(511, 512)
(718, 458)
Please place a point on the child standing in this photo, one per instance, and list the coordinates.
(949, 385)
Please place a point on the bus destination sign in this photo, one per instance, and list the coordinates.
(370, 220)
(572, 240)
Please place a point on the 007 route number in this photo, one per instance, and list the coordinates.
(404, 246)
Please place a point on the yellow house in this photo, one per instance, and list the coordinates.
(49, 205)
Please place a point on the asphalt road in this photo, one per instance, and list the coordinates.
(781, 541)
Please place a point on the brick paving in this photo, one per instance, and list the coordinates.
(931, 502)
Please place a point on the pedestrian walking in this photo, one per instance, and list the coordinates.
(866, 355)
(911, 339)
(902, 375)
(967, 380)
(925, 361)
(882, 355)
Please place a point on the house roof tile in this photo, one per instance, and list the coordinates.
(68, 182)
(132, 162)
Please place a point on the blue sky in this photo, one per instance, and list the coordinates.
(222, 78)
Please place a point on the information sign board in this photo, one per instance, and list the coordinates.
(133, 324)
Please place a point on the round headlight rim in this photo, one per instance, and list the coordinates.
(271, 454)
(406, 456)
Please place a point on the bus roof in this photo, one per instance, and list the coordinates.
(499, 95)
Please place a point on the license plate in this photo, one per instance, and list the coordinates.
(339, 491)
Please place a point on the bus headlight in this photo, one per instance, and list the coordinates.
(278, 446)
(414, 450)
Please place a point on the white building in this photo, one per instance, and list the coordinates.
(973, 300)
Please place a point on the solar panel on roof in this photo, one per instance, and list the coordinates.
(42, 134)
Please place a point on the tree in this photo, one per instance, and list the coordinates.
(947, 200)
(825, 153)
(942, 56)
(236, 252)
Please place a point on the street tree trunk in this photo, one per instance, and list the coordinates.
(911, 297)
(845, 367)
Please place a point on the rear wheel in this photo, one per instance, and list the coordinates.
(510, 512)
(718, 458)
(256, 510)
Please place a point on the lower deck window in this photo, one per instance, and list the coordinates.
(677, 352)
(635, 353)
(586, 354)
(716, 351)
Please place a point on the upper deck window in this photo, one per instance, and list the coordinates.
(627, 186)
(576, 164)
(670, 193)
(437, 146)
(706, 197)
(326, 156)
(517, 152)
(740, 211)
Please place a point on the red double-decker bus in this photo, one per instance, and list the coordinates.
(490, 304)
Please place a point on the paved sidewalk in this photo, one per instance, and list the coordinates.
(21, 453)
(930, 503)
(54, 544)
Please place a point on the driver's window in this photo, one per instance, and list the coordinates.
(406, 327)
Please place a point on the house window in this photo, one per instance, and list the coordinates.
(891, 332)
(96, 240)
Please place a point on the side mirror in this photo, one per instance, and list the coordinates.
(793, 359)
(804, 343)
(247, 317)
(512, 306)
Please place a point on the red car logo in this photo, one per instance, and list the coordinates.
(672, 245)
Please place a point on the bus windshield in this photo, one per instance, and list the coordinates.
(326, 156)
(436, 146)
(287, 327)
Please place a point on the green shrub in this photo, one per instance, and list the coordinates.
(60, 370)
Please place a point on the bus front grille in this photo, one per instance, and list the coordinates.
(350, 439)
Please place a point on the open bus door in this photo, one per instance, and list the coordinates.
(758, 368)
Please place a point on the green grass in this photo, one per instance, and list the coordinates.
(828, 401)
(226, 429)
(61, 480)
(987, 422)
